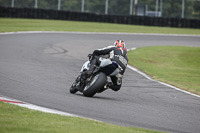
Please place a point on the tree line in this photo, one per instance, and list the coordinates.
(170, 8)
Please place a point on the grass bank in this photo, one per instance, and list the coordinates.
(15, 119)
(11, 25)
(176, 65)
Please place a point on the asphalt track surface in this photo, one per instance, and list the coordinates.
(39, 68)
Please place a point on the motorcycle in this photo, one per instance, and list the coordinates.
(97, 82)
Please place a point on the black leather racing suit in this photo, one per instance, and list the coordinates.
(116, 54)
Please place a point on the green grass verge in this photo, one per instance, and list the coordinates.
(15, 119)
(176, 65)
(11, 25)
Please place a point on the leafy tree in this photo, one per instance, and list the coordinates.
(25, 3)
(150, 4)
(48, 4)
(96, 6)
(73, 5)
(5, 3)
(189, 9)
(196, 11)
(171, 8)
(119, 7)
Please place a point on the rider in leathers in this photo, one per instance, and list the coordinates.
(117, 53)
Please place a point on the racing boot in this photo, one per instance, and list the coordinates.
(107, 86)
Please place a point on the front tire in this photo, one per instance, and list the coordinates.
(95, 85)
(73, 89)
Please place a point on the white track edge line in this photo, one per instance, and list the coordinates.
(115, 33)
(168, 85)
(42, 109)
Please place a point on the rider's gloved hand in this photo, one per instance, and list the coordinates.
(90, 56)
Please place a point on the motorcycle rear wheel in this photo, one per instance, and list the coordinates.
(95, 85)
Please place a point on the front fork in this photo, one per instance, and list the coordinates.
(81, 83)
(78, 83)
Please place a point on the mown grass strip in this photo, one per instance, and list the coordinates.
(176, 65)
(15, 119)
(11, 25)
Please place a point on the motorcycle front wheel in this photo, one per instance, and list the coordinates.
(73, 88)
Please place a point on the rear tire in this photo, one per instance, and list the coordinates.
(96, 84)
